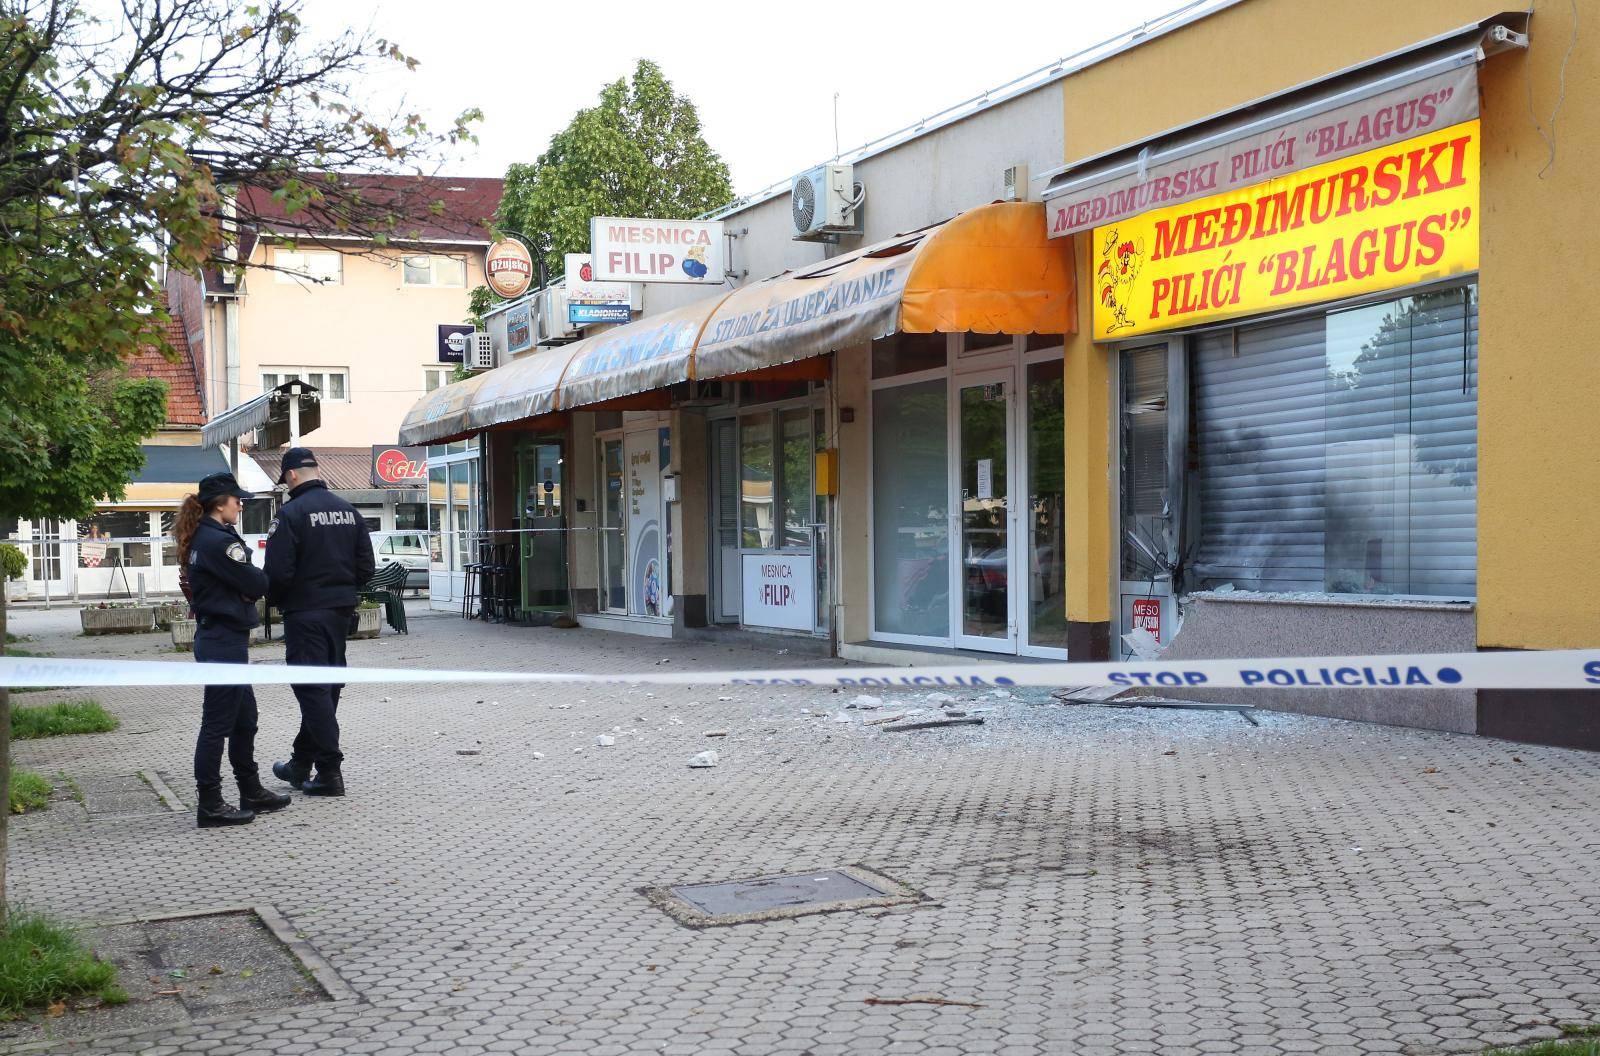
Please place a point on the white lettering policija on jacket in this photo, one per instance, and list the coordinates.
(329, 518)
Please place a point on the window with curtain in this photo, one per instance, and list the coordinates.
(1337, 452)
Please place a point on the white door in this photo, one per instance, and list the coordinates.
(50, 562)
(983, 517)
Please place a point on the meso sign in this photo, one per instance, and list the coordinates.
(399, 467)
(508, 268)
(690, 251)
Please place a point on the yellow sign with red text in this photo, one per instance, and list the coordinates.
(1402, 214)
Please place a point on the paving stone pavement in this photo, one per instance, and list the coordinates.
(1098, 881)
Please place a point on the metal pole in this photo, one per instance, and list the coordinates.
(294, 417)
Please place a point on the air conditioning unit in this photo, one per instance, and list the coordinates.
(825, 204)
(1014, 184)
(479, 351)
(554, 326)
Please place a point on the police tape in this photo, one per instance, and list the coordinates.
(1556, 669)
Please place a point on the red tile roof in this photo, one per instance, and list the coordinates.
(468, 205)
(184, 405)
(344, 468)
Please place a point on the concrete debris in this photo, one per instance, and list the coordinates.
(940, 698)
(1143, 643)
(1000, 694)
(843, 716)
(931, 724)
(605, 740)
(675, 720)
(384, 700)
(865, 702)
(664, 660)
(538, 755)
(707, 758)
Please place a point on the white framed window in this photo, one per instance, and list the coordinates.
(332, 382)
(324, 267)
(436, 377)
(423, 269)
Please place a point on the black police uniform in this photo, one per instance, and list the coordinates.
(318, 555)
(225, 585)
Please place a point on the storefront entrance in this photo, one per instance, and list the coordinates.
(768, 525)
(541, 523)
(967, 493)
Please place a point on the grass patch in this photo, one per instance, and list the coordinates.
(43, 963)
(29, 791)
(1552, 1048)
(1579, 1030)
(32, 721)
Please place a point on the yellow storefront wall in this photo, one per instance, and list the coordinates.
(1539, 377)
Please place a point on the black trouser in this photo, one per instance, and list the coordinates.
(316, 637)
(229, 712)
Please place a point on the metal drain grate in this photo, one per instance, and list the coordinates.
(777, 897)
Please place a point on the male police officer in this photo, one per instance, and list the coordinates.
(318, 555)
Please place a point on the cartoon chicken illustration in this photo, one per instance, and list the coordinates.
(694, 263)
(1119, 266)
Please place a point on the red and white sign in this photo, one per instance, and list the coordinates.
(508, 268)
(399, 467)
(1147, 614)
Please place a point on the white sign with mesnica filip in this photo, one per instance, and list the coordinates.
(686, 251)
(779, 591)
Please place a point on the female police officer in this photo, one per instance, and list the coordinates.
(223, 588)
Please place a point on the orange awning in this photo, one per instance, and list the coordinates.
(991, 270)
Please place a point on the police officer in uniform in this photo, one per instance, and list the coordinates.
(318, 556)
(224, 586)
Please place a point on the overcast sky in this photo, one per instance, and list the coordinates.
(762, 74)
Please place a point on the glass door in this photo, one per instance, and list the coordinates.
(983, 425)
(725, 518)
(542, 542)
(1148, 487)
(613, 543)
(46, 569)
(1043, 519)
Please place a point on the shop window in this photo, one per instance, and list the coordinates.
(169, 545)
(908, 353)
(607, 420)
(1046, 509)
(410, 517)
(794, 476)
(438, 504)
(754, 392)
(436, 377)
(910, 508)
(371, 515)
(976, 344)
(756, 482)
(1146, 527)
(1040, 342)
(1338, 451)
(115, 537)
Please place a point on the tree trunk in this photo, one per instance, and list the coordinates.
(5, 765)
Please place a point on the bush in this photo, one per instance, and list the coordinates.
(13, 562)
(29, 791)
(42, 963)
(33, 721)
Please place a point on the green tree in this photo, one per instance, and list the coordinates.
(638, 152)
(151, 133)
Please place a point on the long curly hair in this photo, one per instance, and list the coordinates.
(188, 520)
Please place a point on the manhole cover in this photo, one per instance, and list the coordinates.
(776, 897)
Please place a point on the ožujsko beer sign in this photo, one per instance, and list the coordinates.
(1394, 216)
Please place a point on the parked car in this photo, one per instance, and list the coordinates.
(409, 549)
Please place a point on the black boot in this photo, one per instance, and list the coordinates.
(291, 773)
(214, 811)
(328, 782)
(252, 796)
